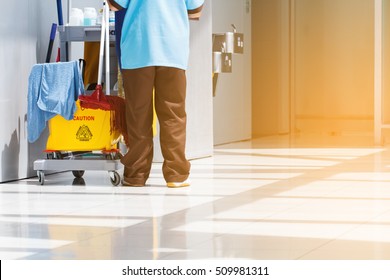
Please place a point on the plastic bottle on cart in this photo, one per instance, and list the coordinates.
(112, 18)
(99, 17)
(76, 17)
(90, 16)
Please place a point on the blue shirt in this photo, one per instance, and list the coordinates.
(156, 33)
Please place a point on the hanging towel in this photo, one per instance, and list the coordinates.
(53, 89)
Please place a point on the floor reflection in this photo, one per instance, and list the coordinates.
(259, 199)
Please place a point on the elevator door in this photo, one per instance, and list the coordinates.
(333, 66)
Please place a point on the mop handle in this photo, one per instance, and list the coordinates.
(101, 50)
(107, 29)
(59, 13)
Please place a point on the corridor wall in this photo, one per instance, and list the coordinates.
(18, 52)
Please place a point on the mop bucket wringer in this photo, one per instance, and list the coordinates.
(98, 124)
(90, 129)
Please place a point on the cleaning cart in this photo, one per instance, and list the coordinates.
(88, 142)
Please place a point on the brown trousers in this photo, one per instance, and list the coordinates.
(169, 85)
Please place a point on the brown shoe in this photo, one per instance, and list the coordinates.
(127, 184)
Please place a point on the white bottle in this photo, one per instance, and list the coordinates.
(112, 18)
(90, 16)
(76, 17)
(99, 17)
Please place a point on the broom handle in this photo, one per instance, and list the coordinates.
(101, 50)
(59, 13)
(107, 21)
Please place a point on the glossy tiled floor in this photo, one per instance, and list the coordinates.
(272, 198)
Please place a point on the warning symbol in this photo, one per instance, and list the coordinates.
(84, 134)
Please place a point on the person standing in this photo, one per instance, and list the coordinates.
(154, 57)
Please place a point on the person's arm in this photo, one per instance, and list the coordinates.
(114, 6)
(195, 13)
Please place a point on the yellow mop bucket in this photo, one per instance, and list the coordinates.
(89, 130)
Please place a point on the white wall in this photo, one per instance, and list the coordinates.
(232, 103)
(18, 31)
(199, 87)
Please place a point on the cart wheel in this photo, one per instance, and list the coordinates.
(41, 177)
(78, 173)
(112, 155)
(54, 155)
(117, 155)
(115, 178)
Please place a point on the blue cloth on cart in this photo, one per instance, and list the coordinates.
(53, 89)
